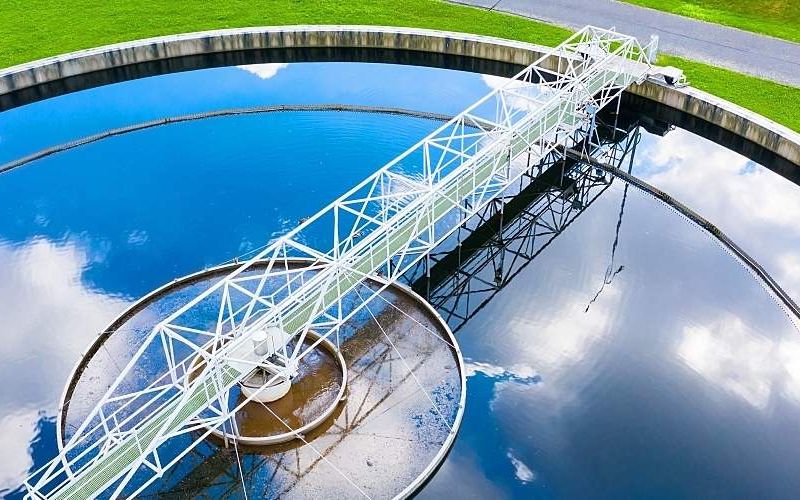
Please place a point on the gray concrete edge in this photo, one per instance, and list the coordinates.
(736, 119)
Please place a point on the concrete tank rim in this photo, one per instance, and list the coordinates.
(226, 33)
(733, 118)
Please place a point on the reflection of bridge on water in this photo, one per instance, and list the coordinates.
(493, 248)
(515, 229)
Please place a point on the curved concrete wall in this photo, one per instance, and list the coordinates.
(728, 116)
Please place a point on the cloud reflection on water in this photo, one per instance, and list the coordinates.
(523, 473)
(753, 367)
(682, 355)
(264, 71)
(49, 317)
(757, 208)
(630, 373)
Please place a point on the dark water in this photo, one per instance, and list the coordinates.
(679, 379)
(633, 357)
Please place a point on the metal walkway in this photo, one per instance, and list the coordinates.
(382, 227)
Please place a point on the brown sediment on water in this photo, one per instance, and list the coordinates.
(313, 397)
(314, 390)
(320, 378)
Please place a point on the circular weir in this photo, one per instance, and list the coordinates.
(373, 411)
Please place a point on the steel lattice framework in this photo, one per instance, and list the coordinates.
(376, 231)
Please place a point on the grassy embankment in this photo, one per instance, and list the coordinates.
(33, 29)
(778, 18)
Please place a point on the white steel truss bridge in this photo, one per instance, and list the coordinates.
(377, 231)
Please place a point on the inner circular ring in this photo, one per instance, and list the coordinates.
(314, 394)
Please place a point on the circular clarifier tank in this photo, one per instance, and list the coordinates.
(612, 346)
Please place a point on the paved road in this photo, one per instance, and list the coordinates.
(736, 49)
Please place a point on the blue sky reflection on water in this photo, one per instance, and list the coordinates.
(61, 119)
(85, 232)
(757, 208)
(128, 222)
(682, 379)
(680, 369)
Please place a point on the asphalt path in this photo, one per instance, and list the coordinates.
(746, 52)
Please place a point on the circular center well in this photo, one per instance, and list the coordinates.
(277, 410)
(386, 393)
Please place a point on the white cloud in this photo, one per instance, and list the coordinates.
(730, 354)
(49, 317)
(523, 95)
(721, 180)
(789, 359)
(522, 472)
(17, 430)
(789, 267)
(520, 372)
(578, 330)
(264, 71)
(495, 82)
(517, 374)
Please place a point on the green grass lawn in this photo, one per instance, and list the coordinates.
(774, 100)
(778, 18)
(32, 29)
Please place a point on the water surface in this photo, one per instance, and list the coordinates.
(634, 357)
